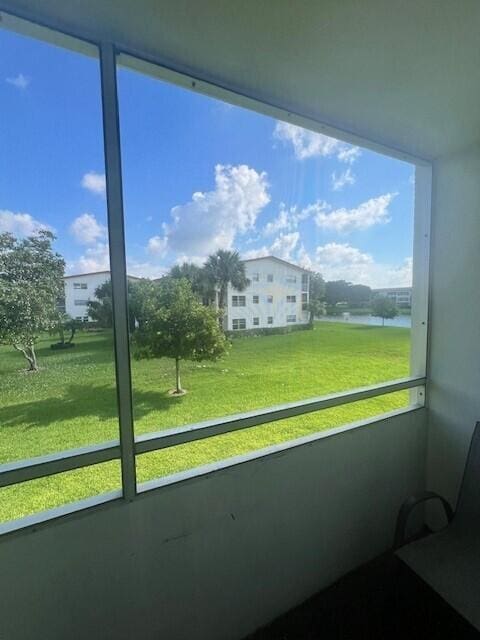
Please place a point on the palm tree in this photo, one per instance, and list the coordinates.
(224, 268)
(201, 283)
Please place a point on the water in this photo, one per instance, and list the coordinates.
(400, 321)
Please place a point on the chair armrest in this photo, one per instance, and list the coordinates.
(408, 506)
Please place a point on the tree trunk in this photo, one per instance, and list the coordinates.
(177, 376)
(30, 356)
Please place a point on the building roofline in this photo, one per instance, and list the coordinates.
(290, 264)
(97, 273)
(393, 289)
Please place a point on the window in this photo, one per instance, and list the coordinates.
(256, 299)
(304, 281)
(70, 402)
(238, 301)
(291, 279)
(73, 405)
(304, 301)
(291, 298)
(239, 323)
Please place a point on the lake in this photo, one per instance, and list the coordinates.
(399, 321)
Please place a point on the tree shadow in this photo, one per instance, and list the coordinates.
(82, 401)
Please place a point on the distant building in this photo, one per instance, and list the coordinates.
(277, 296)
(402, 296)
(80, 289)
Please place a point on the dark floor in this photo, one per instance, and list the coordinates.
(381, 600)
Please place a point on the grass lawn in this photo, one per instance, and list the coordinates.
(71, 402)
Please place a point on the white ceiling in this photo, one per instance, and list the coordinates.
(405, 73)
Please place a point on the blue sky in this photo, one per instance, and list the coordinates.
(199, 175)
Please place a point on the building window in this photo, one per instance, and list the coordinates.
(291, 298)
(304, 301)
(270, 299)
(291, 318)
(270, 320)
(291, 279)
(256, 322)
(304, 281)
(256, 299)
(270, 277)
(80, 303)
(239, 323)
(80, 285)
(238, 301)
(255, 277)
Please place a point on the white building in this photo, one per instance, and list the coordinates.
(79, 289)
(277, 296)
(401, 296)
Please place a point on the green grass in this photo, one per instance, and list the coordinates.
(71, 402)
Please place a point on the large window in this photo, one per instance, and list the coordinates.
(211, 206)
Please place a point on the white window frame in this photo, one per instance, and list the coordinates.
(291, 318)
(269, 299)
(239, 301)
(269, 319)
(290, 301)
(128, 446)
(256, 321)
(269, 277)
(256, 299)
(238, 322)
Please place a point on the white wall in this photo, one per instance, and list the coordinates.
(279, 289)
(92, 280)
(454, 363)
(215, 557)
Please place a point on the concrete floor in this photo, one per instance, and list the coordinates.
(381, 600)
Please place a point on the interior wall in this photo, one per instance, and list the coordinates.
(454, 360)
(218, 556)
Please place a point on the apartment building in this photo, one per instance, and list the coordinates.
(277, 296)
(402, 296)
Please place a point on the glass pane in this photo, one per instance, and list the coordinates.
(31, 497)
(186, 456)
(267, 257)
(52, 181)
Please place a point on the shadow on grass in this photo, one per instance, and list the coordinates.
(82, 401)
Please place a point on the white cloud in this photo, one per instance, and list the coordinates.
(349, 154)
(343, 262)
(87, 230)
(213, 219)
(282, 247)
(94, 182)
(344, 178)
(369, 213)
(287, 220)
(95, 258)
(20, 81)
(157, 245)
(145, 269)
(309, 144)
(20, 224)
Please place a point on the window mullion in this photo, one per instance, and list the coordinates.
(118, 264)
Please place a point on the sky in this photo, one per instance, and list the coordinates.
(198, 175)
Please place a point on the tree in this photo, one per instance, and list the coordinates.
(336, 291)
(31, 283)
(359, 295)
(175, 324)
(224, 268)
(384, 307)
(316, 296)
(100, 310)
(199, 278)
(64, 323)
